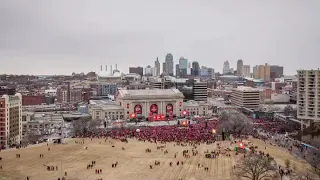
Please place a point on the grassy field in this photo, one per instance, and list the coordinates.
(133, 162)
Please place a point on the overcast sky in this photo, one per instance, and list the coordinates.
(64, 36)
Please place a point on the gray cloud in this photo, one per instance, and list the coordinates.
(54, 37)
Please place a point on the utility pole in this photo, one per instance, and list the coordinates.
(301, 130)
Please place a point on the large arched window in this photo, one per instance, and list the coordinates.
(138, 109)
(154, 109)
(169, 108)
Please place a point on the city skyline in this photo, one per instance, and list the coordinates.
(63, 37)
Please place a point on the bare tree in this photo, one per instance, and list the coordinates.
(94, 124)
(256, 166)
(315, 162)
(288, 110)
(234, 122)
(31, 138)
(80, 126)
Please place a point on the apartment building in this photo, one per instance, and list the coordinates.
(10, 120)
(247, 97)
(200, 91)
(308, 95)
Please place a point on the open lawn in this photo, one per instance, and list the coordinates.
(133, 162)
(302, 167)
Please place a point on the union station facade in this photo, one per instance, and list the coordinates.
(150, 103)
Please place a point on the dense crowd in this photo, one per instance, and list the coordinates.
(199, 132)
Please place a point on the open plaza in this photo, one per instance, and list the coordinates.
(70, 160)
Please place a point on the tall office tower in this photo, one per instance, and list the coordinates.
(189, 69)
(195, 68)
(308, 95)
(177, 70)
(276, 71)
(200, 91)
(262, 72)
(136, 70)
(164, 70)
(246, 71)
(148, 71)
(169, 64)
(240, 67)
(226, 67)
(183, 67)
(157, 67)
(10, 120)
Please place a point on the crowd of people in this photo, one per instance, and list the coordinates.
(199, 132)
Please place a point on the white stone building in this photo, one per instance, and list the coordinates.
(196, 108)
(150, 101)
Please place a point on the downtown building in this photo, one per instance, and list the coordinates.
(308, 95)
(246, 97)
(200, 91)
(10, 120)
(136, 70)
(157, 67)
(262, 72)
(183, 67)
(168, 65)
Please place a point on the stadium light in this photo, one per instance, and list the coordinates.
(241, 145)
(133, 115)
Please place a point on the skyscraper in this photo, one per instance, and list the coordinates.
(148, 71)
(226, 67)
(177, 70)
(308, 90)
(169, 64)
(157, 67)
(240, 67)
(262, 72)
(195, 68)
(246, 71)
(136, 70)
(183, 67)
(276, 71)
(164, 68)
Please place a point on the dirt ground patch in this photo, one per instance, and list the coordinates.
(133, 162)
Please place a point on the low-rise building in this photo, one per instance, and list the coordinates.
(196, 108)
(29, 100)
(247, 97)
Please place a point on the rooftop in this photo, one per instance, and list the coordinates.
(150, 93)
(246, 89)
(102, 102)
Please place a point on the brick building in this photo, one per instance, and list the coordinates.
(29, 100)
(69, 95)
(10, 119)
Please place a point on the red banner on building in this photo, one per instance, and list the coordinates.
(169, 108)
(154, 109)
(138, 109)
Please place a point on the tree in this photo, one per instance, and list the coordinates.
(288, 110)
(256, 166)
(94, 124)
(80, 126)
(315, 162)
(234, 122)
